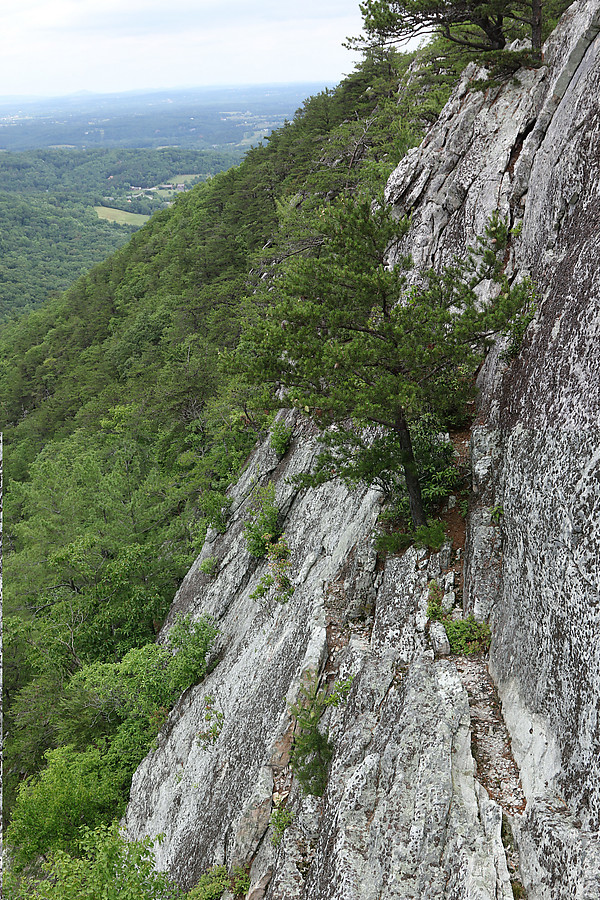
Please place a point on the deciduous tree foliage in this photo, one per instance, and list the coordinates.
(350, 339)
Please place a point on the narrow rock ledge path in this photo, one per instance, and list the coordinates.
(497, 770)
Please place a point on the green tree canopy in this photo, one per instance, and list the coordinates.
(354, 344)
(477, 25)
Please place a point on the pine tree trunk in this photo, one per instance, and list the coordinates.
(415, 501)
(536, 26)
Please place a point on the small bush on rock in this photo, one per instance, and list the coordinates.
(211, 886)
(277, 576)
(281, 818)
(240, 881)
(281, 438)
(311, 749)
(209, 566)
(432, 536)
(261, 527)
(466, 636)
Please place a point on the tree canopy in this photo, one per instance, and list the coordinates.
(482, 26)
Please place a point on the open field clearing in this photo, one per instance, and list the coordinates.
(120, 216)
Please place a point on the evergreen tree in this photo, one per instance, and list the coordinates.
(473, 24)
(355, 345)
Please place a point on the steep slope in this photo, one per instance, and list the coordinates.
(402, 804)
(533, 154)
(403, 814)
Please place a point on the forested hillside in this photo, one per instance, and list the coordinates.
(125, 420)
(51, 234)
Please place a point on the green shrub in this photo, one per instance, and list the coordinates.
(277, 576)
(281, 818)
(432, 536)
(74, 789)
(281, 438)
(209, 566)
(261, 528)
(213, 726)
(215, 507)
(189, 643)
(394, 542)
(240, 881)
(105, 866)
(311, 749)
(466, 636)
(211, 886)
(434, 605)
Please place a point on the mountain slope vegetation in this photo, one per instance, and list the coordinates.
(123, 429)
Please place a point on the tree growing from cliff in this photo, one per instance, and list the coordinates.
(355, 345)
(469, 23)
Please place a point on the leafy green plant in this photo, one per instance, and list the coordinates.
(432, 536)
(281, 818)
(240, 881)
(497, 514)
(277, 576)
(434, 604)
(211, 885)
(73, 790)
(261, 528)
(466, 636)
(209, 566)
(105, 865)
(213, 726)
(311, 748)
(281, 438)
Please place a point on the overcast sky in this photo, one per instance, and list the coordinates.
(55, 47)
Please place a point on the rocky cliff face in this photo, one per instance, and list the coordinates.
(423, 773)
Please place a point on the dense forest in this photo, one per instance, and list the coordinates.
(49, 221)
(126, 412)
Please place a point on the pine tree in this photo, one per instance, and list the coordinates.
(471, 24)
(355, 345)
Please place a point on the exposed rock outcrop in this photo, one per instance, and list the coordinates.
(404, 815)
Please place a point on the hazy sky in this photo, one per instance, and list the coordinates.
(54, 47)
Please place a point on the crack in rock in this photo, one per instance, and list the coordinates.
(497, 770)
